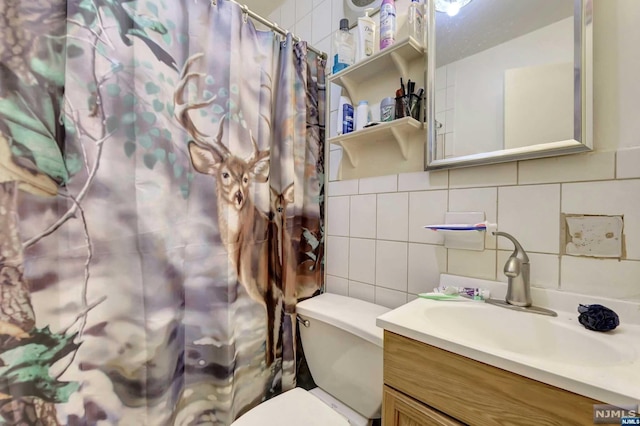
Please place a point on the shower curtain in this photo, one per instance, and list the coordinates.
(161, 213)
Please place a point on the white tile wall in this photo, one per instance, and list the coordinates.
(334, 164)
(343, 187)
(303, 27)
(426, 263)
(338, 216)
(480, 200)
(393, 216)
(390, 298)
(545, 274)
(337, 13)
(532, 211)
(303, 8)
(362, 260)
(379, 184)
(363, 216)
(337, 285)
(628, 163)
(275, 16)
(493, 175)
(476, 264)
(397, 268)
(362, 291)
(337, 256)
(441, 78)
(601, 277)
(526, 198)
(426, 208)
(288, 14)
(321, 28)
(422, 181)
(573, 168)
(391, 265)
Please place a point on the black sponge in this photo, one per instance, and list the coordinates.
(598, 317)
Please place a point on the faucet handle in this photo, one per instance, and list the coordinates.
(518, 251)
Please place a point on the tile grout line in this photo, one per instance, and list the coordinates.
(560, 249)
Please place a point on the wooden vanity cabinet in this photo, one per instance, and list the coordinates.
(401, 410)
(425, 385)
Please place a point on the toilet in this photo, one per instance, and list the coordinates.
(343, 348)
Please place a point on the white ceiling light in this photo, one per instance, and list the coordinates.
(451, 7)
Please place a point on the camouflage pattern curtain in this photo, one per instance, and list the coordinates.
(161, 187)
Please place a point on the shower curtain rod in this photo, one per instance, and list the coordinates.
(273, 26)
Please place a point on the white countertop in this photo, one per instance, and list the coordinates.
(610, 379)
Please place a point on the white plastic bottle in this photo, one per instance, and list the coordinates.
(416, 21)
(387, 23)
(366, 35)
(344, 46)
(362, 115)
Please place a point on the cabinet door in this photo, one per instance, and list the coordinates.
(401, 410)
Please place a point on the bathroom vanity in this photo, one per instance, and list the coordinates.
(473, 363)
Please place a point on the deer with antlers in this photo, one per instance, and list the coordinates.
(243, 228)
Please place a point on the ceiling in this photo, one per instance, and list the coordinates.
(263, 7)
(480, 25)
(486, 23)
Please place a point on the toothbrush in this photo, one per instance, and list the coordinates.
(481, 227)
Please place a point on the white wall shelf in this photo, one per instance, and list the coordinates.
(391, 147)
(402, 131)
(397, 57)
(370, 151)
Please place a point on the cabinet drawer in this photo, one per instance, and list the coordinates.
(476, 393)
(400, 410)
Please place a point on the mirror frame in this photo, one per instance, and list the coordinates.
(582, 112)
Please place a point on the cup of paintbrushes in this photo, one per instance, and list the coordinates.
(415, 104)
(402, 105)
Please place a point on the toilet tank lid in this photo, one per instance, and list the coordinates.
(349, 314)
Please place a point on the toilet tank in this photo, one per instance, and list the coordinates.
(343, 348)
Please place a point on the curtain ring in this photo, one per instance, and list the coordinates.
(245, 13)
(214, 2)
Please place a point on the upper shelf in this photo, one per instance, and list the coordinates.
(398, 56)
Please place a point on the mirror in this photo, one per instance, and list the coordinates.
(509, 80)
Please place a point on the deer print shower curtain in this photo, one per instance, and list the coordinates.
(161, 169)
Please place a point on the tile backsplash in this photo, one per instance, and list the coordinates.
(391, 258)
(376, 247)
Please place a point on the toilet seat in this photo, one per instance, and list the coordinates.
(296, 407)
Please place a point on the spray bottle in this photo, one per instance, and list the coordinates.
(387, 23)
(416, 20)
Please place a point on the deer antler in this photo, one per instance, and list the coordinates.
(256, 155)
(182, 108)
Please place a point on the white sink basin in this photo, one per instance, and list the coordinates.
(558, 339)
(558, 350)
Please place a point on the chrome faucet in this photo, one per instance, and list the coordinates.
(517, 270)
(519, 287)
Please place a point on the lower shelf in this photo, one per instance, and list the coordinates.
(396, 146)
